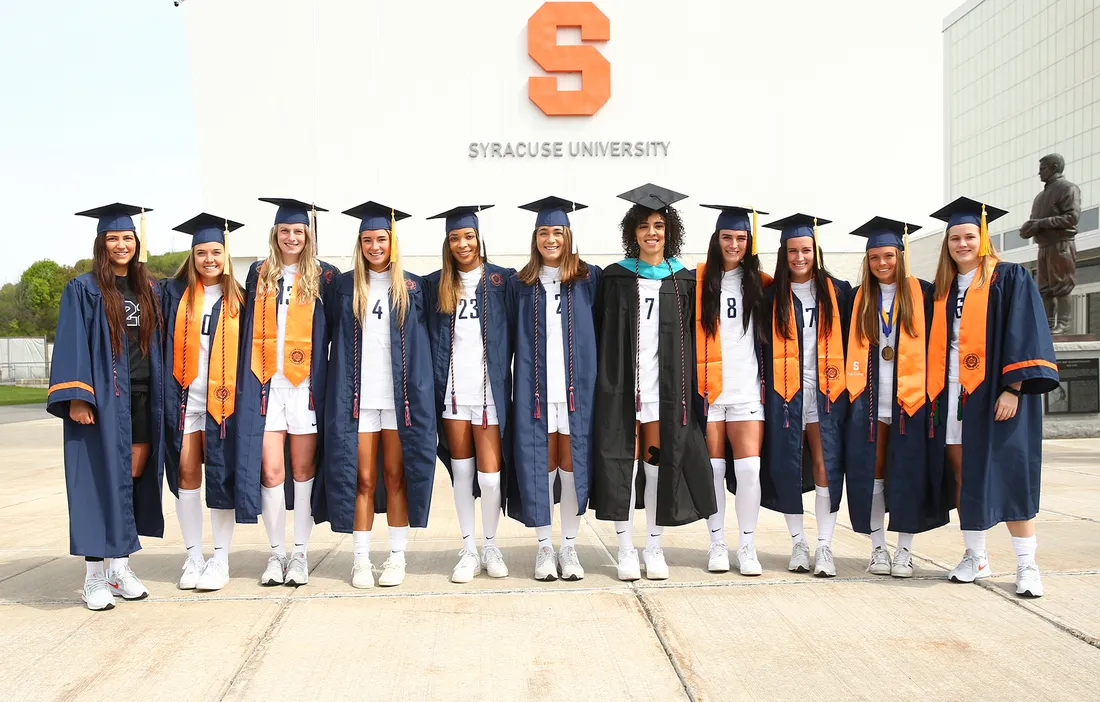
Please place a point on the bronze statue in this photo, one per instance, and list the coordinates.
(1053, 225)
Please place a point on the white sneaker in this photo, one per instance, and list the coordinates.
(800, 558)
(570, 564)
(275, 572)
(192, 569)
(823, 562)
(124, 583)
(747, 560)
(902, 567)
(719, 559)
(546, 564)
(362, 574)
(629, 568)
(880, 561)
(214, 576)
(97, 595)
(1028, 583)
(973, 566)
(469, 567)
(493, 560)
(655, 566)
(297, 570)
(393, 570)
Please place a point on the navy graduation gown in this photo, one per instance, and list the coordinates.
(1002, 461)
(685, 488)
(250, 423)
(529, 499)
(218, 460)
(909, 499)
(339, 473)
(786, 467)
(497, 321)
(108, 509)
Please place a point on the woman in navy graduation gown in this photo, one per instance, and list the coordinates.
(281, 392)
(886, 446)
(106, 380)
(555, 378)
(202, 313)
(805, 402)
(470, 325)
(380, 404)
(990, 357)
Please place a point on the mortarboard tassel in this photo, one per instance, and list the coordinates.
(572, 237)
(393, 237)
(313, 227)
(905, 251)
(480, 237)
(985, 249)
(817, 247)
(754, 250)
(144, 258)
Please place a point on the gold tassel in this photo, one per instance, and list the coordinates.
(905, 251)
(393, 237)
(817, 247)
(754, 231)
(144, 258)
(985, 248)
(313, 228)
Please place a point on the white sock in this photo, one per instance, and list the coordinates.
(974, 541)
(544, 534)
(795, 528)
(878, 514)
(747, 500)
(273, 504)
(490, 507)
(303, 515)
(905, 541)
(360, 541)
(716, 523)
(399, 539)
(118, 564)
(463, 471)
(221, 525)
(649, 499)
(94, 568)
(570, 520)
(625, 530)
(1024, 546)
(826, 518)
(189, 514)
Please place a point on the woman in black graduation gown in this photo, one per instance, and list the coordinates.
(647, 404)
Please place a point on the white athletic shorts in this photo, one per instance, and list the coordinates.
(809, 405)
(194, 421)
(288, 410)
(751, 411)
(372, 421)
(557, 418)
(954, 425)
(470, 413)
(651, 412)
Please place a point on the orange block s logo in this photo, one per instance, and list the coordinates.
(543, 47)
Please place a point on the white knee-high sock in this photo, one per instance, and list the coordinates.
(463, 471)
(490, 507)
(878, 514)
(716, 523)
(221, 525)
(826, 518)
(189, 513)
(544, 534)
(747, 500)
(625, 530)
(796, 528)
(1025, 547)
(905, 541)
(399, 539)
(649, 499)
(975, 542)
(570, 520)
(273, 504)
(360, 541)
(303, 514)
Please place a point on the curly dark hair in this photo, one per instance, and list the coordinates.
(674, 230)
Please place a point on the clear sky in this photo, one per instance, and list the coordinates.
(97, 107)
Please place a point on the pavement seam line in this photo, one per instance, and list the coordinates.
(23, 572)
(244, 673)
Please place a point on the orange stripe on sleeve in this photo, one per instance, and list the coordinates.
(73, 384)
(1028, 364)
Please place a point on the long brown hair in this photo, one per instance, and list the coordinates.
(783, 293)
(231, 292)
(946, 270)
(449, 283)
(399, 294)
(138, 279)
(571, 266)
(752, 288)
(869, 311)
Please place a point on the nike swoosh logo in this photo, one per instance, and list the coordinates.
(715, 531)
(753, 411)
(981, 567)
(620, 532)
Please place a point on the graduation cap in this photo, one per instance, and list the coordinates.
(800, 225)
(882, 231)
(206, 228)
(292, 211)
(118, 217)
(736, 218)
(463, 217)
(373, 215)
(652, 196)
(553, 212)
(967, 211)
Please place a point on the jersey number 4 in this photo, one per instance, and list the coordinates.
(377, 311)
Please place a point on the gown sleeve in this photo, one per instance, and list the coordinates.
(1027, 348)
(71, 365)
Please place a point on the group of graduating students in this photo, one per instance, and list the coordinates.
(644, 385)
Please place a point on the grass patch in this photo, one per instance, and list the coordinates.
(17, 395)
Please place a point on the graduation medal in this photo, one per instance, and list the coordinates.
(887, 326)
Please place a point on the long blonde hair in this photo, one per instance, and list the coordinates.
(571, 266)
(231, 291)
(946, 270)
(308, 268)
(868, 319)
(399, 294)
(450, 286)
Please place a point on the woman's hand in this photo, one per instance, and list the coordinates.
(1005, 407)
(81, 412)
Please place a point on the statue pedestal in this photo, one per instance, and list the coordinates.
(1073, 410)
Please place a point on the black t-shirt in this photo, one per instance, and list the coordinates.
(131, 315)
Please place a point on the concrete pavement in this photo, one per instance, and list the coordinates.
(697, 636)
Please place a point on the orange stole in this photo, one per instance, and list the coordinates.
(830, 356)
(221, 390)
(297, 343)
(910, 358)
(972, 329)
